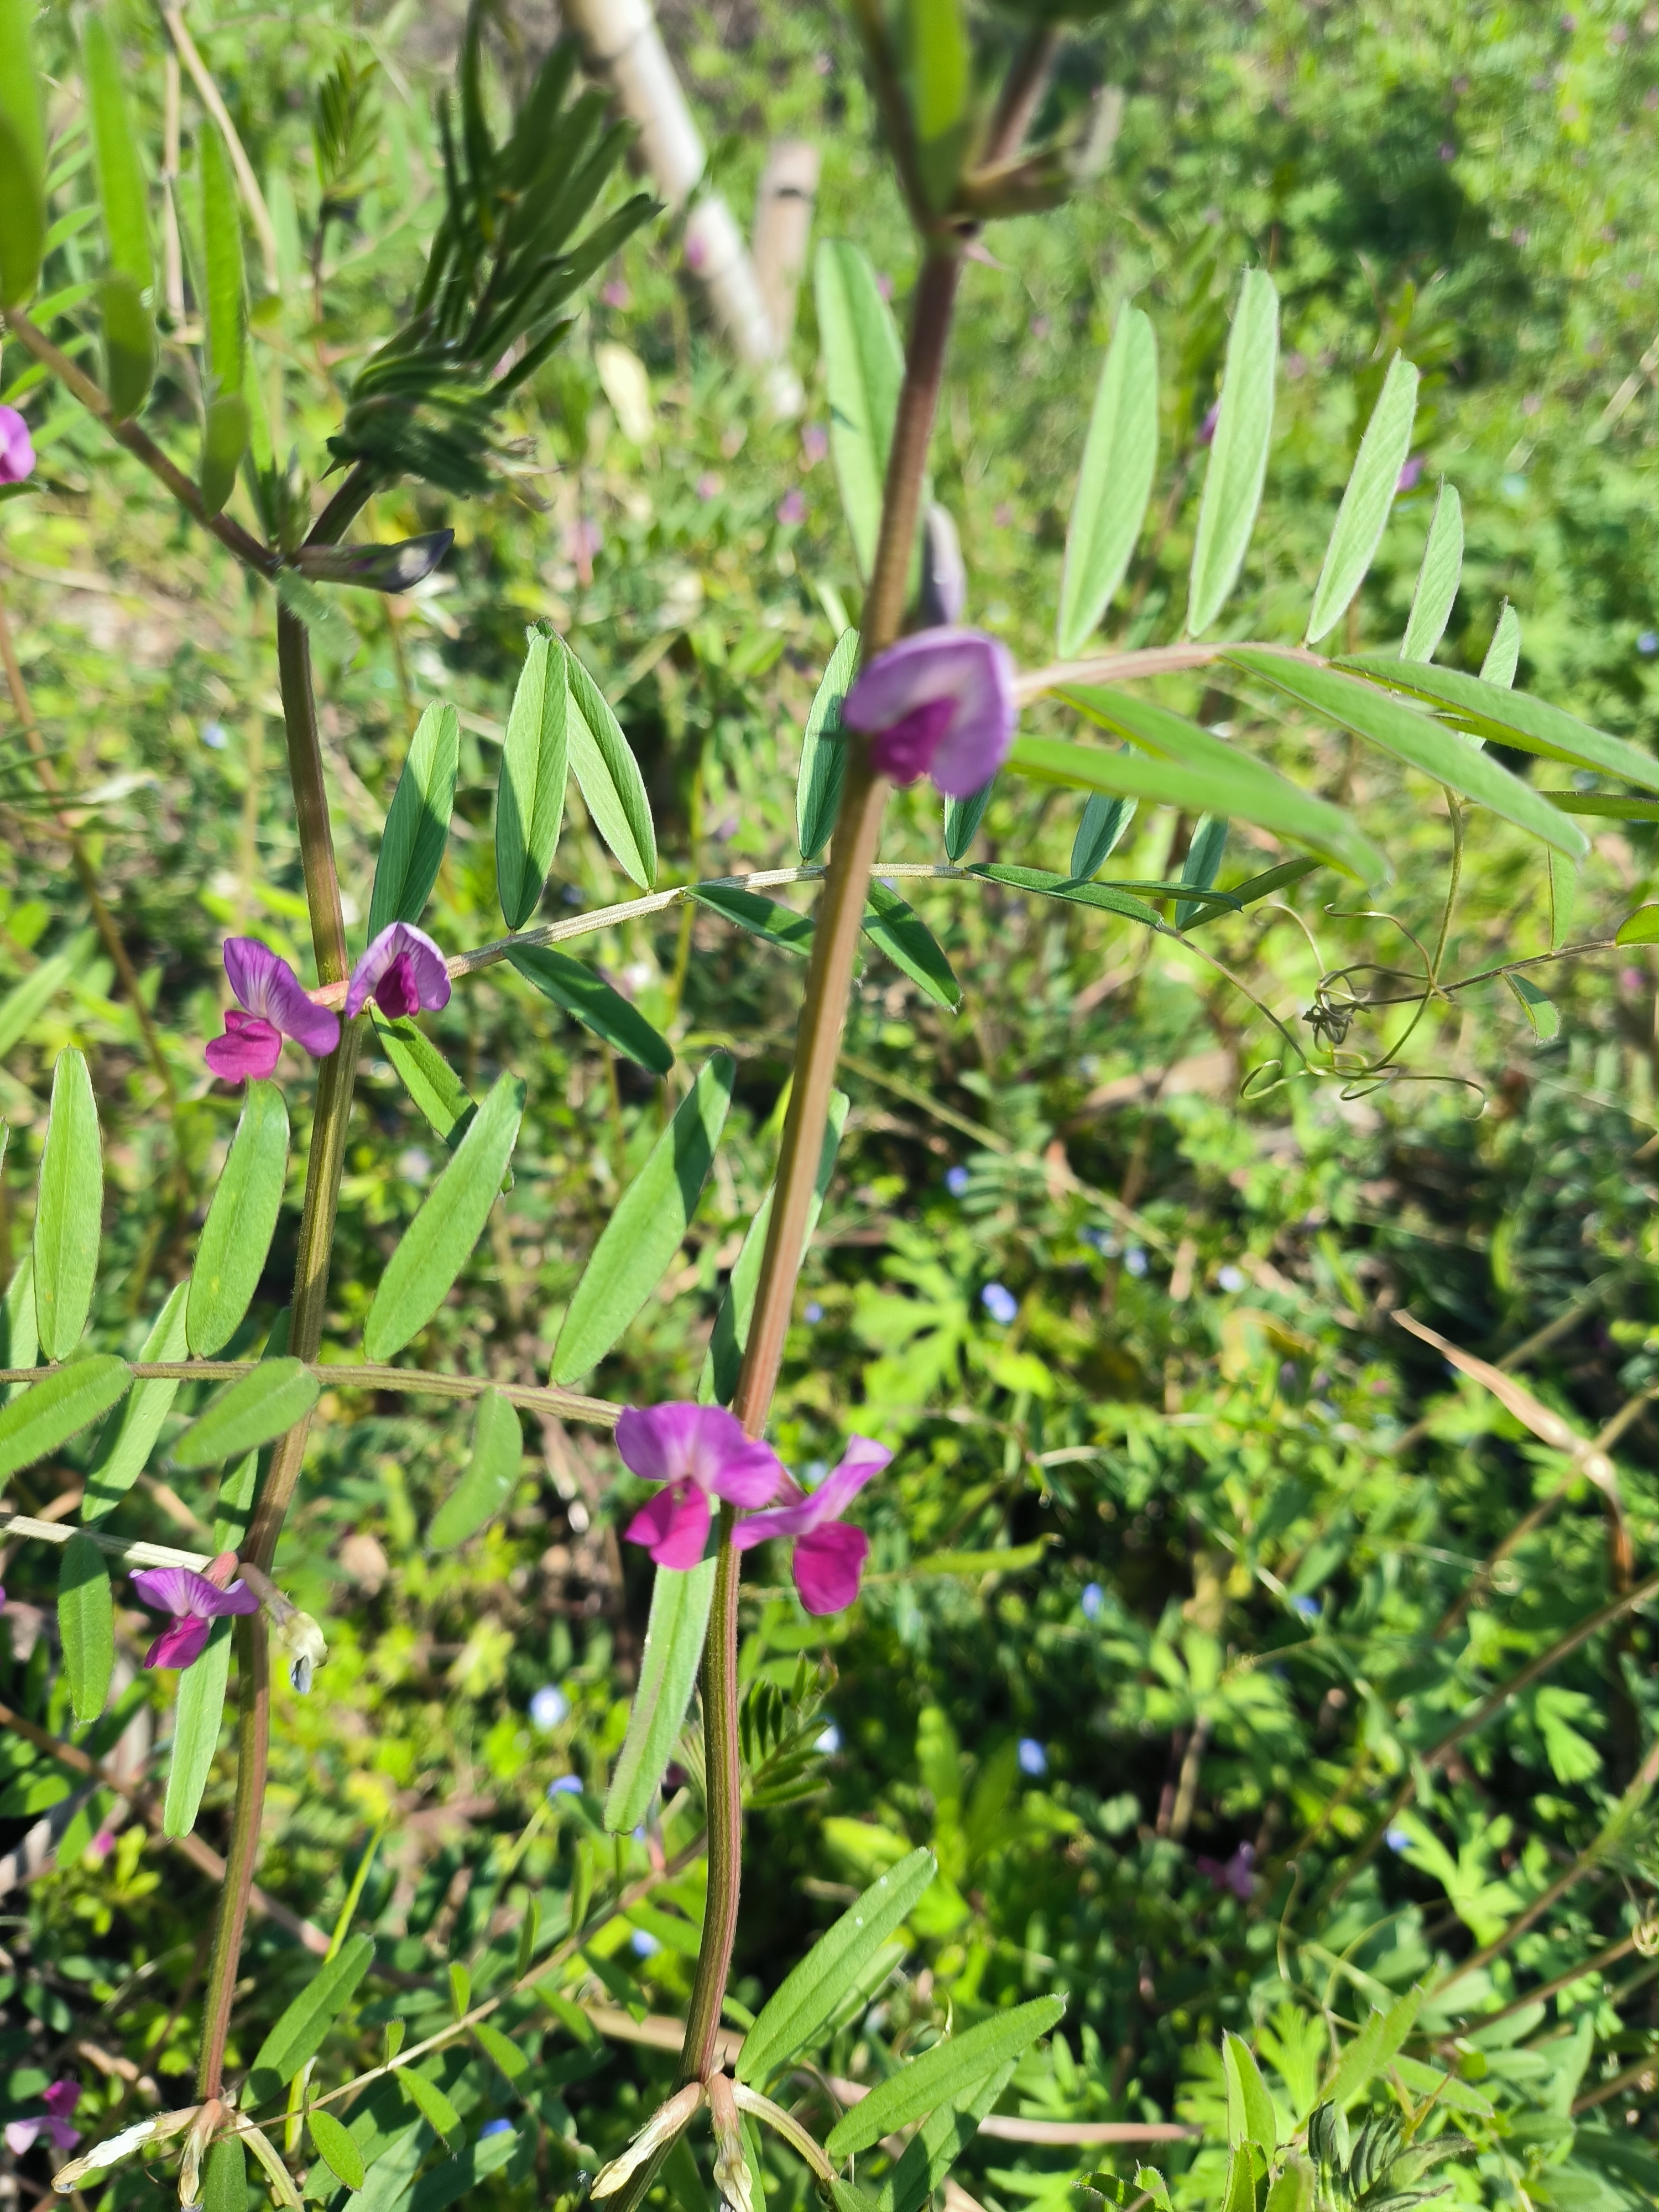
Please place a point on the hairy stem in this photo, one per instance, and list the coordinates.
(829, 982)
(252, 1759)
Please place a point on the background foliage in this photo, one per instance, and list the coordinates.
(1236, 1509)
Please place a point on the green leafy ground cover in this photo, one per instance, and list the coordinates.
(1180, 1581)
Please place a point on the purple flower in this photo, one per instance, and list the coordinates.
(196, 1603)
(792, 507)
(60, 2099)
(1235, 1874)
(1410, 475)
(403, 971)
(1206, 428)
(275, 1005)
(17, 462)
(829, 1556)
(616, 293)
(814, 444)
(940, 704)
(696, 1452)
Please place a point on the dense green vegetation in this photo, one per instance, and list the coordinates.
(1192, 1563)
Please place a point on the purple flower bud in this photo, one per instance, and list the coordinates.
(941, 704)
(17, 447)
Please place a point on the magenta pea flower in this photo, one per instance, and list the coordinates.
(830, 1555)
(940, 703)
(17, 447)
(60, 2099)
(196, 1603)
(274, 1005)
(403, 971)
(697, 1453)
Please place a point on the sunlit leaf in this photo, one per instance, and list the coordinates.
(248, 1412)
(1517, 719)
(863, 368)
(1249, 2108)
(439, 1241)
(125, 1447)
(196, 1723)
(1103, 823)
(673, 1652)
(491, 1476)
(1202, 864)
(417, 821)
(648, 1225)
(22, 158)
(1238, 455)
(1540, 1011)
(129, 346)
(85, 1624)
(334, 2146)
(430, 1081)
(300, 2030)
(1641, 928)
(941, 2074)
(430, 2101)
(593, 1001)
(824, 751)
(603, 765)
(1503, 653)
(893, 925)
(240, 1222)
(1437, 579)
(1115, 483)
(530, 796)
(1369, 499)
(69, 1208)
(47, 1414)
(128, 330)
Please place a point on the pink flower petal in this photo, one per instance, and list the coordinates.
(181, 1591)
(402, 970)
(673, 1526)
(249, 1047)
(268, 987)
(22, 2135)
(180, 1644)
(61, 2097)
(704, 1444)
(809, 1509)
(965, 667)
(17, 447)
(828, 1565)
(63, 2134)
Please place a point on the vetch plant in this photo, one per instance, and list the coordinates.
(907, 696)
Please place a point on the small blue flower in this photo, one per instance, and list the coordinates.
(1033, 1758)
(812, 1311)
(215, 737)
(999, 1302)
(1093, 1599)
(548, 1708)
(828, 1742)
(643, 1943)
(1648, 644)
(956, 1180)
(1230, 1279)
(494, 2128)
(1397, 1839)
(1135, 1261)
(1099, 1240)
(1307, 1607)
(567, 1785)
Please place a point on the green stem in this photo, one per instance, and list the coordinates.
(723, 1769)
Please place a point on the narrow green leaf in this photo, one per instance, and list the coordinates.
(900, 932)
(1437, 579)
(1604, 804)
(417, 821)
(1415, 739)
(1369, 499)
(1238, 2194)
(938, 2144)
(240, 1222)
(673, 1652)
(506, 2056)
(1517, 719)
(430, 1081)
(69, 1208)
(1149, 2179)
(593, 1001)
(125, 1447)
(299, 2031)
(1120, 459)
(1202, 864)
(248, 1412)
(1540, 1011)
(1253, 887)
(224, 441)
(115, 152)
(47, 1414)
(863, 368)
(461, 2176)
(603, 765)
(1249, 2108)
(221, 249)
(809, 1993)
(233, 1509)
(823, 750)
(460, 1988)
(646, 1231)
(31, 998)
(1198, 771)
(941, 2074)
(1105, 897)
(22, 158)
(963, 817)
(439, 1241)
(1296, 2188)
(1503, 653)
(530, 795)
(196, 1722)
(720, 1366)
(224, 2177)
(334, 2146)
(1104, 821)
(1239, 456)
(19, 1345)
(491, 1474)
(1373, 2048)
(766, 917)
(430, 2101)
(129, 352)
(941, 75)
(1563, 897)
(86, 1626)
(1641, 928)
